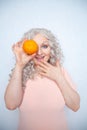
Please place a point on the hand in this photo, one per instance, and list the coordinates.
(50, 71)
(21, 57)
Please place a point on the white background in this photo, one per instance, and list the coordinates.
(68, 21)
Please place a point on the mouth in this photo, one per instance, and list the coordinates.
(39, 58)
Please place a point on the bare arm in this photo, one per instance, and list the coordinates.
(14, 91)
(71, 97)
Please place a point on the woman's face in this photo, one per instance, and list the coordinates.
(44, 48)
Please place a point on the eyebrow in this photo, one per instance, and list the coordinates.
(44, 42)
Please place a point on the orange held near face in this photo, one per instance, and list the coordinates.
(30, 47)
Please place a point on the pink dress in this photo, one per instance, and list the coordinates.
(42, 107)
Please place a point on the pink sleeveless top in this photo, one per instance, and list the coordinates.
(42, 107)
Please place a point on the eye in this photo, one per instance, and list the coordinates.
(45, 46)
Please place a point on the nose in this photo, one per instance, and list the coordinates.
(39, 51)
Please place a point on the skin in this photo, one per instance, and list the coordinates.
(14, 92)
(44, 48)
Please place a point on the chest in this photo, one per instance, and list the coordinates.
(42, 94)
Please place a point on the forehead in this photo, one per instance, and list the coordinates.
(39, 38)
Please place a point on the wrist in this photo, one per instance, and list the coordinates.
(59, 79)
(20, 67)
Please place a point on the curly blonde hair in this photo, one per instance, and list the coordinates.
(56, 52)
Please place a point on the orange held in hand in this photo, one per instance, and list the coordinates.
(30, 47)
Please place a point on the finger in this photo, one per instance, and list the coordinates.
(45, 63)
(42, 65)
(41, 69)
(33, 55)
(57, 63)
(18, 46)
(43, 74)
(13, 47)
(20, 43)
(23, 41)
(29, 57)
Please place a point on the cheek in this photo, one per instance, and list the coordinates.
(47, 51)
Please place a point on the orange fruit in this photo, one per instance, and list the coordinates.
(30, 47)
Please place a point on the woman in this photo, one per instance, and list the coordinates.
(40, 86)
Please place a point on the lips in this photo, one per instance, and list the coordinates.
(39, 57)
